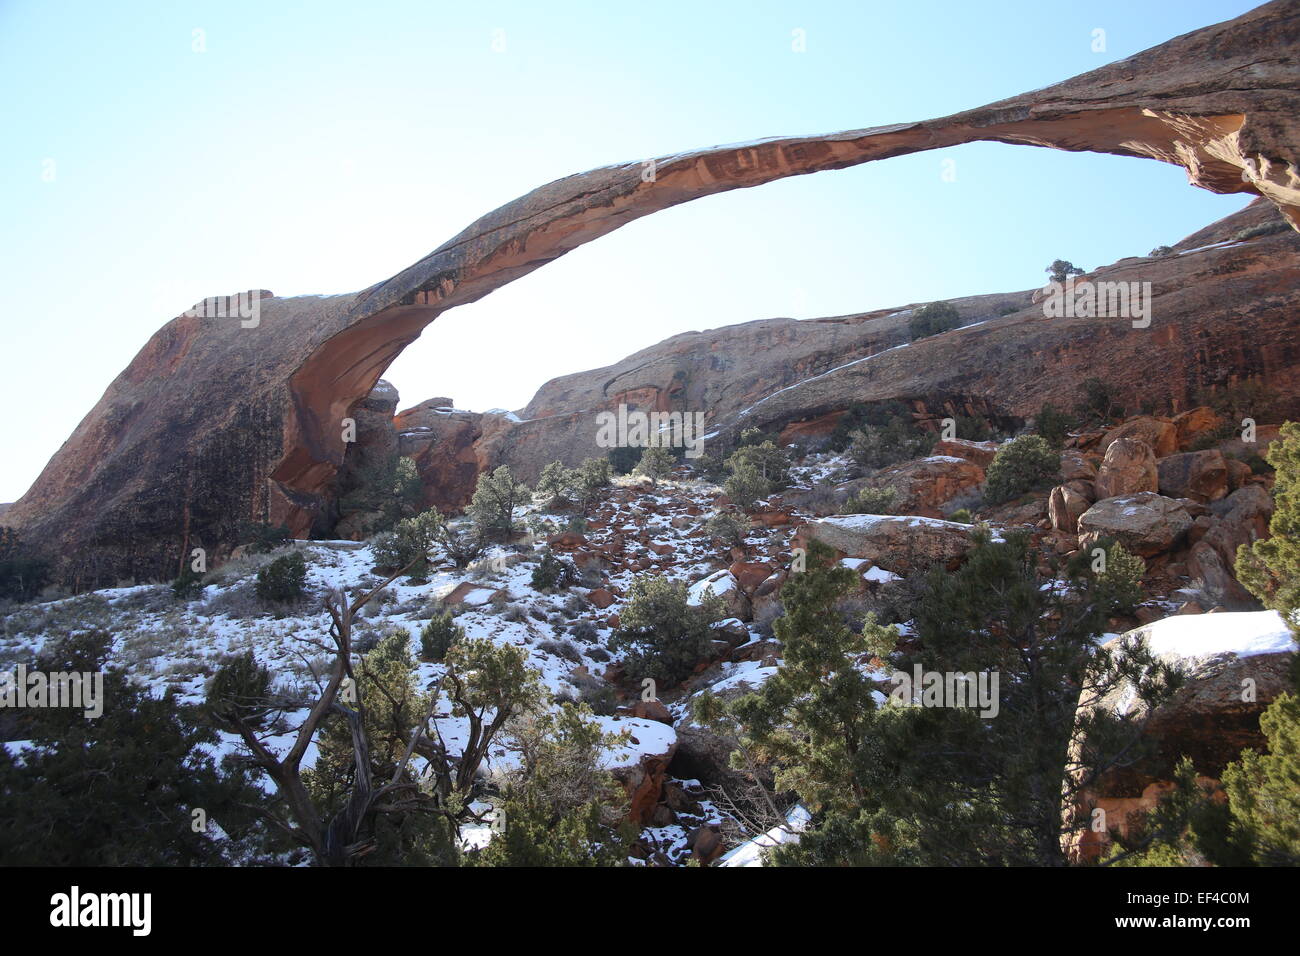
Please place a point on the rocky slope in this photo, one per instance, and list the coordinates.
(1129, 480)
(1221, 315)
(217, 421)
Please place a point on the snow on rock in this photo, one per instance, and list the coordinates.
(1243, 633)
(881, 576)
(647, 738)
(720, 582)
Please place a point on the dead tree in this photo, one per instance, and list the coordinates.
(344, 838)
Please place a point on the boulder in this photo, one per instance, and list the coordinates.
(1159, 433)
(1146, 524)
(924, 486)
(643, 777)
(648, 710)
(1238, 473)
(1264, 436)
(1128, 468)
(1194, 424)
(1199, 475)
(1234, 666)
(724, 585)
(893, 542)
(1239, 519)
(979, 452)
(1076, 467)
(750, 574)
(1064, 508)
(1212, 576)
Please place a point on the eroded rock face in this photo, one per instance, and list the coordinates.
(216, 422)
(924, 486)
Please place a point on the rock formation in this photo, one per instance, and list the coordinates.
(219, 420)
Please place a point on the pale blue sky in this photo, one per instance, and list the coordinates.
(319, 147)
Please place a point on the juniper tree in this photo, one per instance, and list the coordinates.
(656, 463)
(1270, 567)
(1052, 425)
(664, 634)
(943, 785)
(1253, 821)
(746, 487)
(1020, 465)
(932, 319)
(559, 806)
(495, 499)
(122, 789)
(392, 715)
(769, 461)
(1062, 269)
(811, 720)
(961, 788)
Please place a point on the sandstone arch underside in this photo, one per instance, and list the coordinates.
(213, 423)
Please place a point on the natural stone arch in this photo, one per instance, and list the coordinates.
(1221, 102)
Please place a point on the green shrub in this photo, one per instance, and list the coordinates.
(555, 486)
(495, 499)
(889, 444)
(1263, 229)
(1053, 425)
(665, 636)
(769, 461)
(656, 463)
(1264, 789)
(552, 572)
(859, 416)
(933, 319)
(240, 691)
(437, 637)
(1270, 567)
(729, 528)
(411, 540)
(961, 515)
(745, 487)
(870, 501)
(1019, 465)
(561, 487)
(1061, 270)
(709, 467)
(1159, 252)
(1098, 401)
(283, 578)
(1116, 577)
(973, 428)
(188, 583)
(119, 789)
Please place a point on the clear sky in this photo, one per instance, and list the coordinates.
(318, 147)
